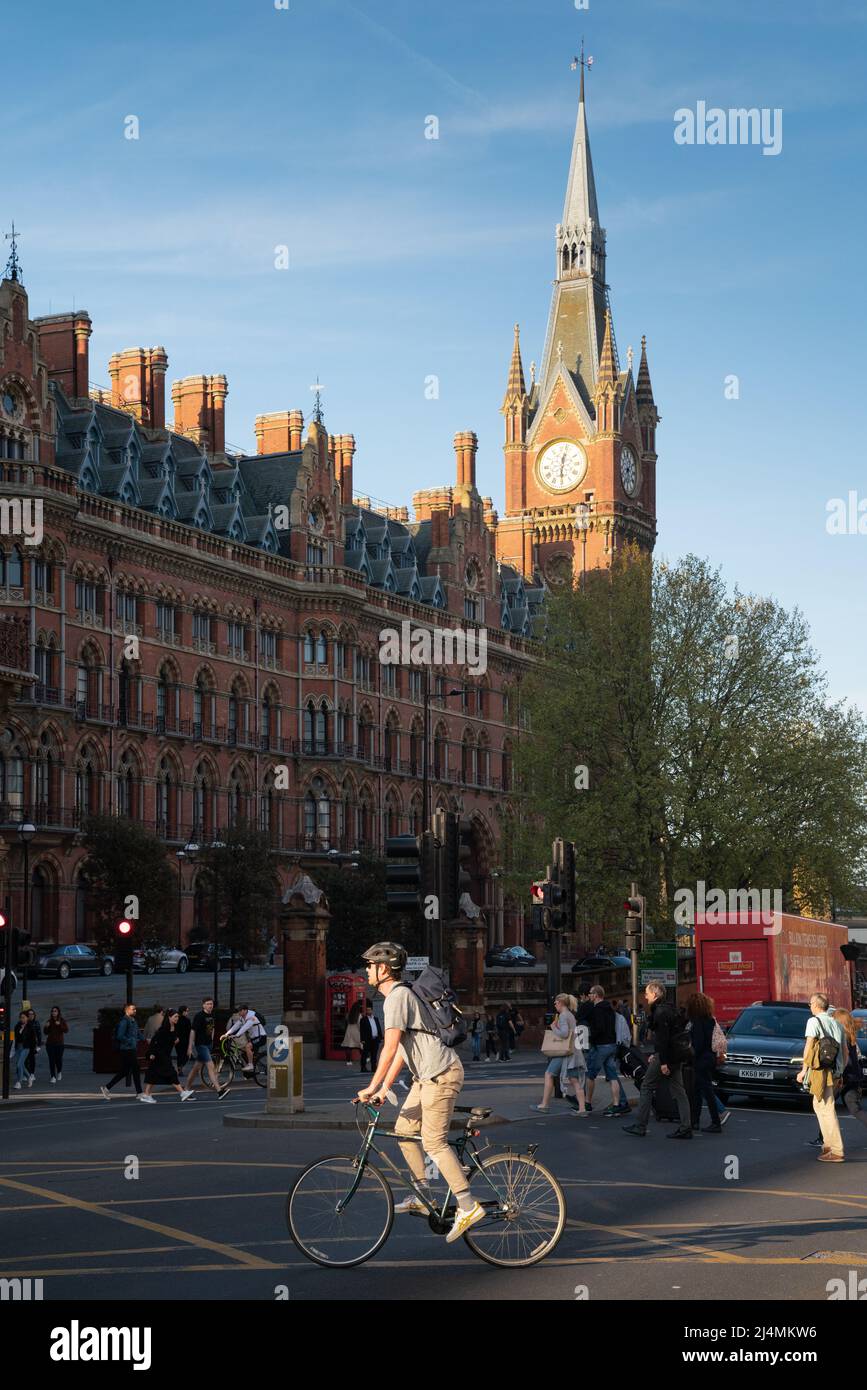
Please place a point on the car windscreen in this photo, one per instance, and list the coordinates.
(771, 1023)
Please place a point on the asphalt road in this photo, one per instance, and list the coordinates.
(205, 1214)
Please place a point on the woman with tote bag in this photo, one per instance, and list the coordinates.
(558, 1045)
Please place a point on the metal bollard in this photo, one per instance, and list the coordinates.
(285, 1094)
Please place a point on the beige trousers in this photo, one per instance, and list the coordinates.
(826, 1114)
(427, 1111)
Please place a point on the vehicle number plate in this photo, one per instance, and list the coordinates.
(755, 1075)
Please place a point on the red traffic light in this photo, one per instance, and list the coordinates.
(124, 928)
(2, 921)
(537, 892)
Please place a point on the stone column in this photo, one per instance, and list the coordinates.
(304, 922)
(466, 945)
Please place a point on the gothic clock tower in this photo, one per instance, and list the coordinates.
(581, 442)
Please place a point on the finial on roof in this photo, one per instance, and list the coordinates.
(532, 373)
(607, 365)
(13, 265)
(318, 388)
(582, 63)
(629, 356)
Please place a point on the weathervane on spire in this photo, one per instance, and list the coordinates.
(582, 63)
(13, 265)
(317, 408)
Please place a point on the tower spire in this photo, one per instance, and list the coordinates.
(607, 367)
(577, 318)
(13, 265)
(516, 387)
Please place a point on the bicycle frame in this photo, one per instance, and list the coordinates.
(463, 1147)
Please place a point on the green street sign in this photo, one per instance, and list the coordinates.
(658, 962)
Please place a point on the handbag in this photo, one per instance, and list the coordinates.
(555, 1046)
(718, 1042)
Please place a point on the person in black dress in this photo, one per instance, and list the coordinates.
(183, 1031)
(161, 1068)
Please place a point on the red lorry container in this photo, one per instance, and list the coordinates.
(740, 959)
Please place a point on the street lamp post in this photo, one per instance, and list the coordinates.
(181, 856)
(425, 798)
(216, 845)
(26, 831)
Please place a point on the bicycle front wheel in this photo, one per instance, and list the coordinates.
(330, 1227)
(526, 1212)
(224, 1069)
(260, 1071)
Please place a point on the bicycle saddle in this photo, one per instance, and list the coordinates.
(478, 1112)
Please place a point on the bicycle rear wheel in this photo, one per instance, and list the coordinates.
(525, 1219)
(260, 1070)
(334, 1236)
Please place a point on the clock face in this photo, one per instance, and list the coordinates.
(11, 404)
(562, 465)
(628, 470)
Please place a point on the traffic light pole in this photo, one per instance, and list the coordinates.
(9, 934)
(553, 941)
(633, 970)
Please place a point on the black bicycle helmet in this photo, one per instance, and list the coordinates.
(386, 953)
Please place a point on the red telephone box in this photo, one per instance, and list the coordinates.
(341, 992)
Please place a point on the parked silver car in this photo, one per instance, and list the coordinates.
(160, 958)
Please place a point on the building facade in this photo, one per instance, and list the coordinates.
(205, 628)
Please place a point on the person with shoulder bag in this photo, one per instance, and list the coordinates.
(672, 1050)
(708, 1044)
(822, 1072)
(558, 1045)
(850, 1085)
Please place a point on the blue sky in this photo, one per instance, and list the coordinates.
(411, 257)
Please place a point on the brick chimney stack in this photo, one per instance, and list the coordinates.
(63, 344)
(138, 384)
(466, 447)
(344, 455)
(200, 410)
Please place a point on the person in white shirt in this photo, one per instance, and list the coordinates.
(247, 1027)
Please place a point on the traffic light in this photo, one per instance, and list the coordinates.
(567, 879)
(403, 880)
(636, 926)
(537, 894)
(26, 952)
(8, 945)
(557, 899)
(125, 946)
(457, 854)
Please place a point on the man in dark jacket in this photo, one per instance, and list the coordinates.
(666, 1060)
(603, 1052)
(126, 1036)
(370, 1029)
(505, 1033)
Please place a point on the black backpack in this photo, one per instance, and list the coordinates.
(829, 1050)
(439, 1007)
(680, 1041)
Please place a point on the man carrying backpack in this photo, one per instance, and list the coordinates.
(414, 1036)
(126, 1039)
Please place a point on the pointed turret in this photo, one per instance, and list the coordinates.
(516, 401)
(608, 392)
(648, 414)
(643, 388)
(516, 387)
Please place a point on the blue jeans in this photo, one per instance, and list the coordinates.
(477, 1047)
(21, 1072)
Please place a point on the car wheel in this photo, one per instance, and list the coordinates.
(63, 971)
(182, 966)
(107, 968)
(242, 965)
(150, 969)
(218, 967)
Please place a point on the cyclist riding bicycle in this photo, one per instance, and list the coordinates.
(437, 1076)
(247, 1029)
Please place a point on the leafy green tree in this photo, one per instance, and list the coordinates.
(123, 860)
(710, 748)
(243, 871)
(356, 898)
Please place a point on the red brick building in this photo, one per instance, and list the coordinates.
(205, 626)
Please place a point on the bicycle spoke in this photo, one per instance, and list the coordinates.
(331, 1223)
(529, 1217)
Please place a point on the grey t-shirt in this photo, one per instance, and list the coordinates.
(424, 1053)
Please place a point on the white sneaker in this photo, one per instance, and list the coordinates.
(464, 1220)
(411, 1206)
(188, 1095)
(17, 1086)
(106, 1092)
(60, 1076)
(30, 1080)
(148, 1100)
(53, 1080)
